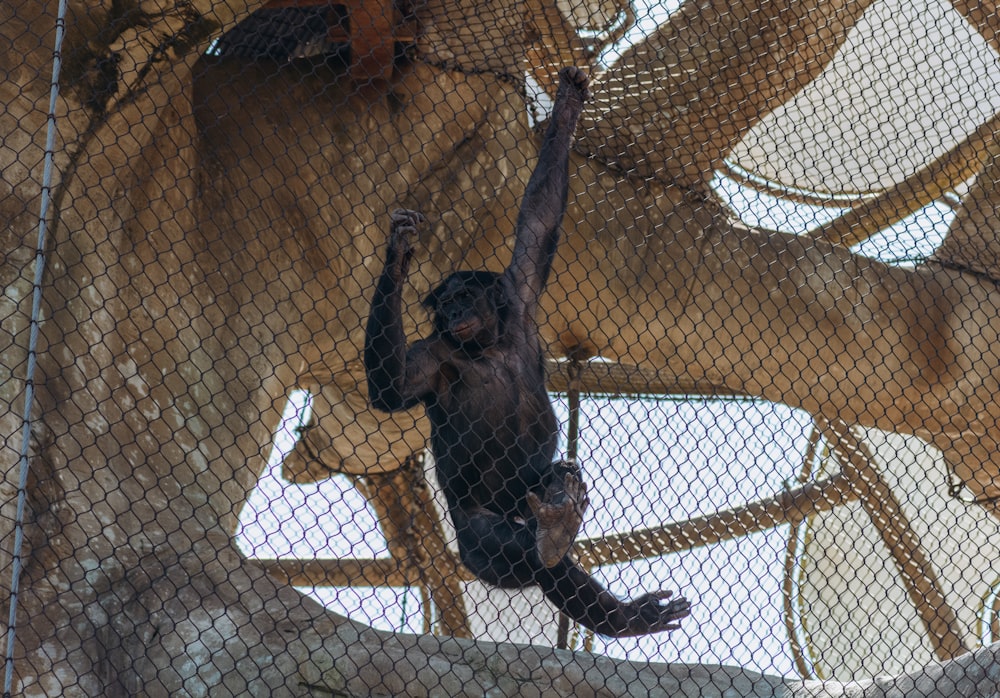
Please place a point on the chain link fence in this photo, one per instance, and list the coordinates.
(768, 336)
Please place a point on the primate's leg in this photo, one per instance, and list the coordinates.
(501, 551)
(559, 513)
(585, 600)
(498, 550)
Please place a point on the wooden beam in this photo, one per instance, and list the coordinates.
(984, 15)
(557, 45)
(596, 377)
(793, 551)
(621, 380)
(372, 39)
(415, 536)
(903, 543)
(790, 506)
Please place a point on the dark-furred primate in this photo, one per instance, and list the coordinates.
(481, 378)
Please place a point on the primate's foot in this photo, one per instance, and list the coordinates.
(559, 517)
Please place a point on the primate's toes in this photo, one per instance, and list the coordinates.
(576, 491)
(558, 525)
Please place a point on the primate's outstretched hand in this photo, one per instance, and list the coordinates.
(654, 616)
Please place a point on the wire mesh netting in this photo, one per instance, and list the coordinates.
(421, 347)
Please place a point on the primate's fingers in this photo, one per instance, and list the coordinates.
(678, 606)
(534, 503)
(404, 229)
(405, 222)
(676, 609)
(654, 616)
(405, 215)
(576, 490)
(576, 76)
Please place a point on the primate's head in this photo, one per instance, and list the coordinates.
(470, 308)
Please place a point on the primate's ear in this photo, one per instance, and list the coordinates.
(433, 299)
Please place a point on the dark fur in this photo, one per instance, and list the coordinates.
(481, 379)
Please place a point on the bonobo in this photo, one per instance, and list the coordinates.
(481, 379)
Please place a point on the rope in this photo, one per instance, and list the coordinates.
(33, 326)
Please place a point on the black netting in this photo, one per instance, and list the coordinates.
(310, 386)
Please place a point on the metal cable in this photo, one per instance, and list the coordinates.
(36, 304)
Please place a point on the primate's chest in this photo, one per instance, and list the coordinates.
(493, 393)
(493, 429)
(484, 385)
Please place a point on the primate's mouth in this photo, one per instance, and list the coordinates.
(464, 330)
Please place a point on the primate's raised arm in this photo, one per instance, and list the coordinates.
(544, 200)
(397, 378)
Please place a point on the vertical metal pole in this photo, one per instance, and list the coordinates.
(572, 445)
(29, 390)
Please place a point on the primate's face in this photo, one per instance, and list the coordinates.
(468, 309)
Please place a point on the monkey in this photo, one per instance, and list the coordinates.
(480, 377)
